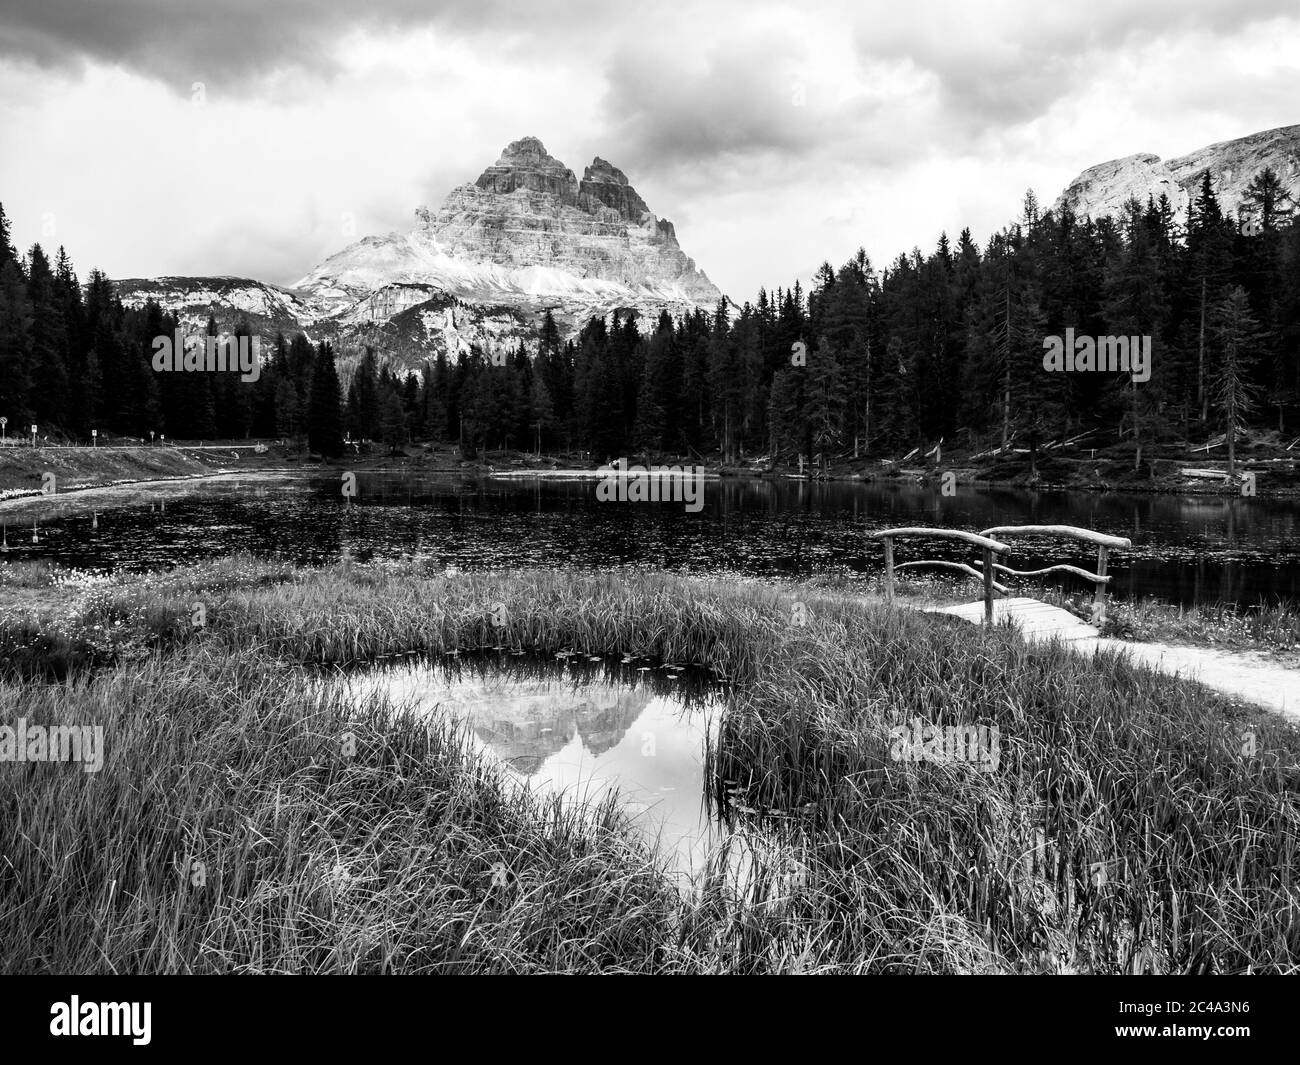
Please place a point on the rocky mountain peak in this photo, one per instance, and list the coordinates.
(524, 239)
(526, 164)
(1103, 189)
(606, 185)
(604, 170)
(596, 239)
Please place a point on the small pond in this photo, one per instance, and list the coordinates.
(583, 726)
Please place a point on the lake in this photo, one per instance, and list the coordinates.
(1186, 549)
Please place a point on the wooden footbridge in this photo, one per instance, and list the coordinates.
(1240, 676)
(1034, 617)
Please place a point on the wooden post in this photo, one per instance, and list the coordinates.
(988, 586)
(1099, 597)
(889, 569)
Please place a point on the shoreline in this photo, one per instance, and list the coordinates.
(95, 470)
(15, 503)
(23, 471)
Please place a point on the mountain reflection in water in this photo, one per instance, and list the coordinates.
(583, 731)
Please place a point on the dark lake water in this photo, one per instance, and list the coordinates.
(1185, 548)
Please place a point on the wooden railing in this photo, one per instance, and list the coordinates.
(1104, 543)
(985, 543)
(991, 547)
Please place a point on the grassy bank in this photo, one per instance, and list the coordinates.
(1124, 828)
(23, 470)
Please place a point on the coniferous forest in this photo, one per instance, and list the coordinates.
(871, 361)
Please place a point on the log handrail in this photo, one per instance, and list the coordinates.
(954, 565)
(1074, 532)
(1105, 544)
(989, 546)
(978, 539)
(1085, 574)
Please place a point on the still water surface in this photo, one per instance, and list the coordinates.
(1187, 549)
(581, 727)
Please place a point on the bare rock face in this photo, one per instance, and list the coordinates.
(605, 185)
(525, 238)
(266, 309)
(526, 164)
(552, 234)
(1105, 188)
(1234, 164)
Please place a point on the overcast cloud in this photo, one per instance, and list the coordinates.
(245, 137)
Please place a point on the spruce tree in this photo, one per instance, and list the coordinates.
(1235, 333)
(1209, 254)
(15, 346)
(324, 413)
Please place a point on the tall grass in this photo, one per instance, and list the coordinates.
(348, 614)
(413, 854)
(1124, 830)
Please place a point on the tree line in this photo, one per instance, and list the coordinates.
(940, 347)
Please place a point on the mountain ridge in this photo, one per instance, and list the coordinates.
(524, 238)
(1102, 189)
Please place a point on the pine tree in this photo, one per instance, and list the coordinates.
(1267, 201)
(363, 398)
(324, 413)
(435, 398)
(825, 401)
(1137, 306)
(8, 253)
(785, 418)
(15, 345)
(1235, 333)
(1210, 260)
(392, 419)
(542, 409)
(648, 431)
(724, 382)
(48, 343)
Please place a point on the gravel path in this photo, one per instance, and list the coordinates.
(1248, 675)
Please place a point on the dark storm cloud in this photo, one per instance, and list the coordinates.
(735, 101)
(172, 39)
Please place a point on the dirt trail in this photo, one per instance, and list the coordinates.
(1248, 675)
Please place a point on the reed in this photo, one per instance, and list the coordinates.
(1133, 822)
(230, 831)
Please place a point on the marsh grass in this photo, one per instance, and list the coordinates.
(412, 854)
(1124, 830)
(1261, 626)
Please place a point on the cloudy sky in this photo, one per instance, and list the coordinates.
(254, 138)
